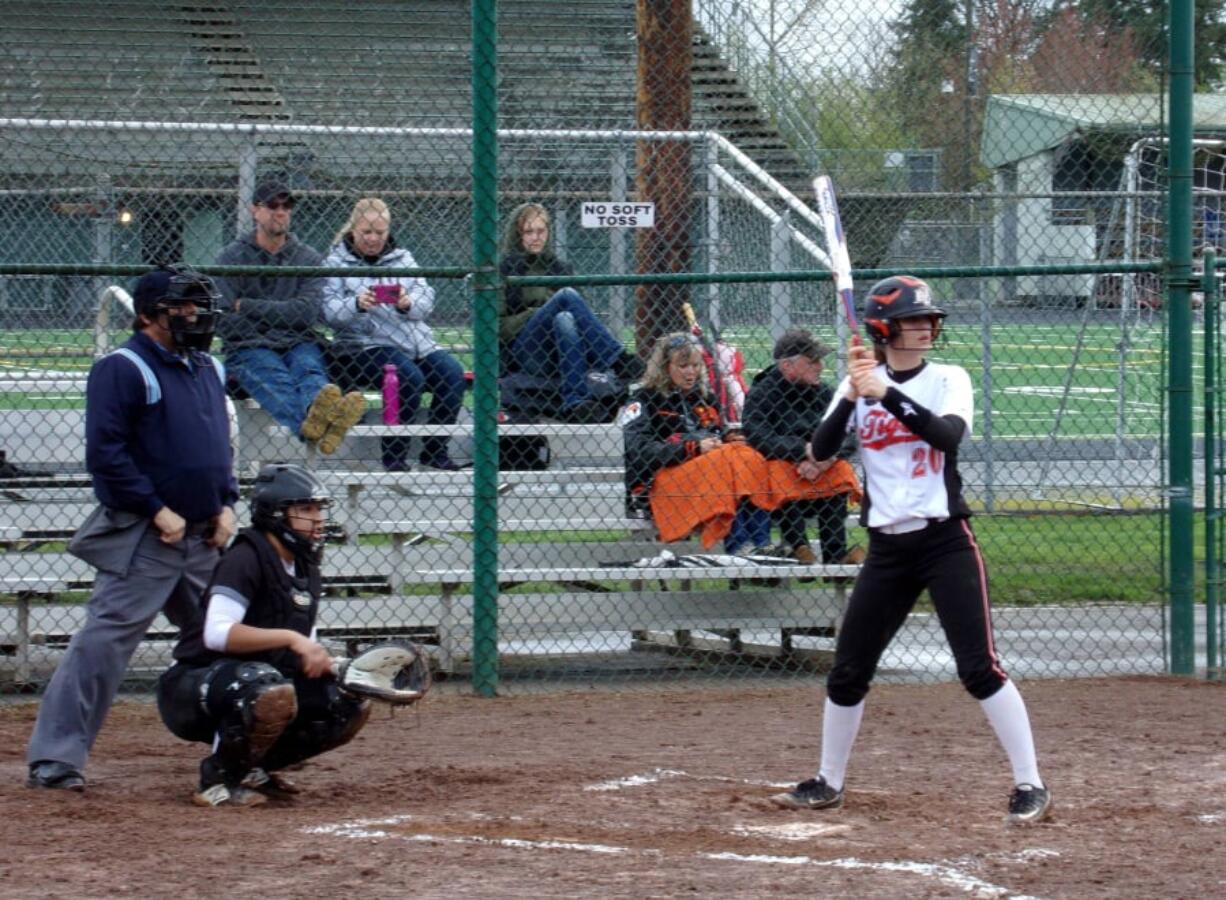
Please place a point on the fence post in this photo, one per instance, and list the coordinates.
(1179, 385)
(710, 161)
(248, 165)
(985, 390)
(1211, 310)
(485, 348)
(781, 261)
(618, 180)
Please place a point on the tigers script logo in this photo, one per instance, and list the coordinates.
(880, 430)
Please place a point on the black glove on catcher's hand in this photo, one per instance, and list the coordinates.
(397, 672)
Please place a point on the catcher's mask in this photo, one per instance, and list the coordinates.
(166, 288)
(278, 487)
(895, 299)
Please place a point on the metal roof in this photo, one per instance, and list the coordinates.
(1019, 125)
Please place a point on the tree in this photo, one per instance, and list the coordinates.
(1079, 54)
(1147, 21)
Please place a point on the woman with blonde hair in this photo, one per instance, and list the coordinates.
(549, 333)
(381, 321)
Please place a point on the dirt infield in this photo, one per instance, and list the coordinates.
(649, 794)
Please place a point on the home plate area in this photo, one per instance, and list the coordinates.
(756, 844)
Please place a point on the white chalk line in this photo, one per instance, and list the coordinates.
(945, 873)
(1211, 818)
(791, 831)
(658, 775)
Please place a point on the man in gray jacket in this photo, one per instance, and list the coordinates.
(269, 335)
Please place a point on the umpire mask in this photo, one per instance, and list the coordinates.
(171, 287)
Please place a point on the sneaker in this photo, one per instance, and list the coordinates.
(811, 794)
(1029, 804)
(323, 410)
(55, 776)
(222, 795)
(348, 411)
(270, 784)
(804, 555)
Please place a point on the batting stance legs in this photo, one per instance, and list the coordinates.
(945, 559)
(257, 720)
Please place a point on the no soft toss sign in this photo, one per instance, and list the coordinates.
(618, 215)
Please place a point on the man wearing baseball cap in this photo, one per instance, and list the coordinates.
(269, 335)
(785, 401)
(157, 445)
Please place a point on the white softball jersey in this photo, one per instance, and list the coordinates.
(906, 478)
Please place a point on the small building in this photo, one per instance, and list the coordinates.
(1088, 171)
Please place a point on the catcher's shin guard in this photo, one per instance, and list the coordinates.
(327, 719)
(254, 708)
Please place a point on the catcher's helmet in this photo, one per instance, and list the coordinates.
(277, 487)
(175, 285)
(900, 297)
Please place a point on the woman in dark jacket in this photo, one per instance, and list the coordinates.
(673, 424)
(553, 334)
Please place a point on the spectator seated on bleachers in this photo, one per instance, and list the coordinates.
(382, 321)
(695, 472)
(272, 347)
(553, 335)
(785, 405)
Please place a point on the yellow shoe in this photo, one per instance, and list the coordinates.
(323, 410)
(349, 412)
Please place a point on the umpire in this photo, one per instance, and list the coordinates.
(157, 443)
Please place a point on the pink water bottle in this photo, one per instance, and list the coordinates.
(391, 395)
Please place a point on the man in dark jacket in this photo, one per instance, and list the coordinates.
(157, 445)
(785, 403)
(273, 348)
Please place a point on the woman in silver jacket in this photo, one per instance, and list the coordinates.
(383, 320)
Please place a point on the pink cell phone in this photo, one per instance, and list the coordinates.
(386, 293)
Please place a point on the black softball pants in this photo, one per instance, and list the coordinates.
(943, 558)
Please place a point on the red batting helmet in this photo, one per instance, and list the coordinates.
(900, 297)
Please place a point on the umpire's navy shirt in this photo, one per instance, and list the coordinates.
(173, 452)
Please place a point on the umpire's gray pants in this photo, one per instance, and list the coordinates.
(169, 576)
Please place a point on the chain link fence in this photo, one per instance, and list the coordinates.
(657, 157)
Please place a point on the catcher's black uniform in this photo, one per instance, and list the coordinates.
(212, 697)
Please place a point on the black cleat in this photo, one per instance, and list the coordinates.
(811, 794)
(55, 776)
(1029, 804)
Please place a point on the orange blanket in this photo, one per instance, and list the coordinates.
(704, 492)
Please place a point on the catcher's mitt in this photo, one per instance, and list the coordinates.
(397, 672)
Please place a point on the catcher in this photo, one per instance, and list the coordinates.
(250, 679)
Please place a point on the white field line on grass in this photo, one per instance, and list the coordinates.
(944, 872)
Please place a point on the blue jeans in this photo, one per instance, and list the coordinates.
(438, 372)
(751, 528)
(283, 382)
(564, 340)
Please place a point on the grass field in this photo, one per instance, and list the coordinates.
(1030, 365)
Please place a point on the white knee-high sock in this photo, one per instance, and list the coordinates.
(1007, 712)
(840, 725)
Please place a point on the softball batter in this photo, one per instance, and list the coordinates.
(910, 416)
